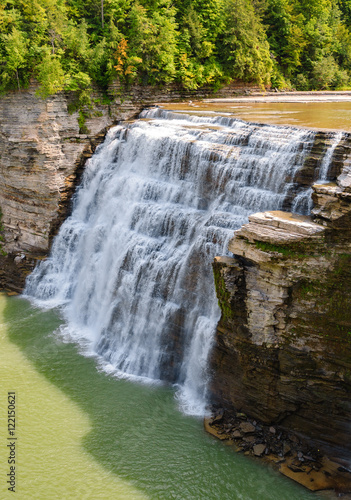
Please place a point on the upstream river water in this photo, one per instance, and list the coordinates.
(82, 434)
(302, 112)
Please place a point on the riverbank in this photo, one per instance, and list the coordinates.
(288, 453)
(286, 96)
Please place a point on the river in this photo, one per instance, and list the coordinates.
(82, 434)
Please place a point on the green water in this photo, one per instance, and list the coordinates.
(84, 435)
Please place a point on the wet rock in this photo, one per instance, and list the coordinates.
(247, 427)
(286, 449)
(218, 433)
(249, 439)
(237, 434)
(259, 449)
(295, 469)
(241, 415)
(19, 259)
(218, 417)
(327, 478)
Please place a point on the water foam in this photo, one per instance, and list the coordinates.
(131, 267)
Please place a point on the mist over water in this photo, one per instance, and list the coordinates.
(131, 267)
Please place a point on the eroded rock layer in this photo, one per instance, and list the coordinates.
(283, 345)
(42, 151)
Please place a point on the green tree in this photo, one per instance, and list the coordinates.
(50, 75)
(285, 33)
(16, 51)
(244, 50)
(345, 7)
(153, 39)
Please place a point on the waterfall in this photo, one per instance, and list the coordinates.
(328, 157)
(303, 203)
(131, 267)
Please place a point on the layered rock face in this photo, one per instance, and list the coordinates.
(42, 152)
(283, 344)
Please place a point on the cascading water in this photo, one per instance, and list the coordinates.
(303, 203)
(131, 266)
(328, 157)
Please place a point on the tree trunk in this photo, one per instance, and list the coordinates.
(102, 14)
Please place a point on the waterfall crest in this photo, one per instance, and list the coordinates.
(131, 267)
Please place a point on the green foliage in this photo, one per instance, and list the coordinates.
(81, 122)
(153, 40)
(15, 52)
(345, 8)
(301, 82)
(244, 47)
(50, 75)
(69, 44)
(327, 74)
(310, 42)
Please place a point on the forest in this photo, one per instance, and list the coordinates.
(72, 45)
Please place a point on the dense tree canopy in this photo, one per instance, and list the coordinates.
(68, 44)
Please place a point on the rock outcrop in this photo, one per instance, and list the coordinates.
(42, 151)
(283, 346)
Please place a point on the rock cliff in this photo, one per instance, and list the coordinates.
(283, 346)
(42, 151)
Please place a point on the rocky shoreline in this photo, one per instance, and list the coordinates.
(290, 454)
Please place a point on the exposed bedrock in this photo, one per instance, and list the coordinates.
(283, 346)
(42, 153)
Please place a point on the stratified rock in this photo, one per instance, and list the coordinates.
(283, 345)
(42, 153)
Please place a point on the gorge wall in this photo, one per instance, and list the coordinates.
(283, 345)
(43, 151)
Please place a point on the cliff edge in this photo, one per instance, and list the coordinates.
(283, 345)
(43, 151)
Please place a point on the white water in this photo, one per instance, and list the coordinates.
(131, 266)
(328, 157)
(303, 203)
